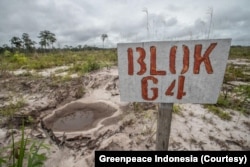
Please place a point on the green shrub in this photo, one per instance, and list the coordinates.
(223, 102)
(91, 65)
(176, 109)
(20, 59)
(7, 53)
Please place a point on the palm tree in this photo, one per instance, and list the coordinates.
(104, 36)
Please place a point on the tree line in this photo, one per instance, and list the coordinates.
(47, 39)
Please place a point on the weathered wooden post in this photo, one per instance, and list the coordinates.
(170, 72)
(164, 119)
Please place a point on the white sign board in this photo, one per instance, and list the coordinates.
(172, 71)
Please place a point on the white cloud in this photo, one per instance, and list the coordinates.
(82, 21)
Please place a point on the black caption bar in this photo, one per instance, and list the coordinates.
(171, 158)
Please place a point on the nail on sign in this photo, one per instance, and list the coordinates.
(172, 71)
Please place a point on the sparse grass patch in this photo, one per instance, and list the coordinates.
(91, 64)
(25, 152)
(92, 58)
(241, 104)
(4, 73)
(239, 52)
(80, 91)
(65, 78)
(12, 116)
(176, 109)
(77, 68)
(137, 107)
(237, 99)
(236, 73)
(208, 120)
(221, 143)
(55, 80)
(223, 102)
(12, 108)
(217, 111)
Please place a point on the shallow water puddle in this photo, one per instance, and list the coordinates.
(74, 122)
(79, 116)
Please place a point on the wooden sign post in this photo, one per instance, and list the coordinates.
(163, 125)
(172, 72)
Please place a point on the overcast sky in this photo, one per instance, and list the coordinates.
(82, 22)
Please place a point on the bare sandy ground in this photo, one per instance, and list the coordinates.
(194, 128)
(133, 127)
